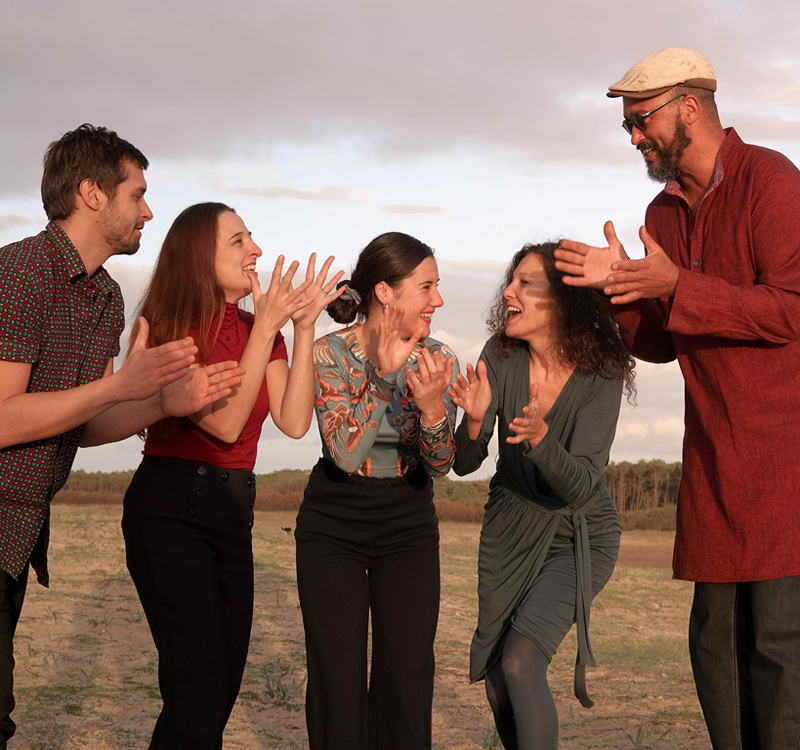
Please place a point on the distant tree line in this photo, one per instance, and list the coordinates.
(641, 486)
(644, 485)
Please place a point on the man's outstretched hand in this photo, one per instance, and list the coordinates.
(586, 265)
(610, 270)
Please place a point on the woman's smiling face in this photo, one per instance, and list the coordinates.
(529, 299)
(235, 261)
(418, 296)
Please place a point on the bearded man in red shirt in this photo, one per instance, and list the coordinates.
(719, 289)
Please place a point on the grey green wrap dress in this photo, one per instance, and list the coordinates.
(550, 532)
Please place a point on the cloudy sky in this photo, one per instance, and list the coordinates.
(473, 126)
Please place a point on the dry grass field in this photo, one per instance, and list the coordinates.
(86, 667)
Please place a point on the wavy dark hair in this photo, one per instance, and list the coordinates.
(390, 257)
(586, 335)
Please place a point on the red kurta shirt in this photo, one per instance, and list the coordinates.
(195, 444)
(734, 325)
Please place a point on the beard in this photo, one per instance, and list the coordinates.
(666, 166)
(131, 247)
(125, 247)
(119, 235)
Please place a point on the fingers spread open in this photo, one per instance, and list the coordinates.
(310, 270)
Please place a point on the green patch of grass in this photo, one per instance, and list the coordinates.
(492, 739)
(83, 639)
(641, 741)
(281, 682)
(640, 658)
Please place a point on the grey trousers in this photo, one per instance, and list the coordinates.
(744, 640)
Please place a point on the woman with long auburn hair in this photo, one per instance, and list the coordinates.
(551, 377)
(188, 512)
(367, 533)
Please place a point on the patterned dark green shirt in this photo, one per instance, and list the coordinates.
(66, 325)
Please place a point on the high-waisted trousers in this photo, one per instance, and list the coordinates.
(368, 546)
(187, 528)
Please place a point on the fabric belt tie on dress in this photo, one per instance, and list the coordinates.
(583, 589)
(583, 604)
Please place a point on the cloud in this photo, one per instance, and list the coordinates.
(653, 428)
(764, 128)
(508, 80)
(323, 194)
(10, 221)
(407, 208)
(132, 281)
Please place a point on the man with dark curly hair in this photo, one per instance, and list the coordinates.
(719, 290)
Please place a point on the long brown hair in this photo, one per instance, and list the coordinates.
(183, 292)
(586, 336)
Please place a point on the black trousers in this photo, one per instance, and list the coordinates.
(364, 546)
(744, 640)
(187, 528)
(12, 595)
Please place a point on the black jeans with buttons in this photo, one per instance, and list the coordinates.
(187, 528)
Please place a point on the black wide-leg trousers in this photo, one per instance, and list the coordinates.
(187, 528)
(368, 546)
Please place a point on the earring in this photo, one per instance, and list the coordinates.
(385, 305)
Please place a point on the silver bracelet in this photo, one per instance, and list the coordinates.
(433, 426)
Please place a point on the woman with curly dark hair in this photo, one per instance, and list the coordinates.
(552, 376)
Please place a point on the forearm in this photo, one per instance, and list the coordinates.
(225, 419)
(473, 434)
(642, 327)
(27, 417)
(350, 425)
(292, 416)
(438, 445)
(572, 478)
(710, 306)
(433, 414)
(471, 451)
(574, 470)
(121, 421)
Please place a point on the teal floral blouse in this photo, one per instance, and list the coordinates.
(367, 419)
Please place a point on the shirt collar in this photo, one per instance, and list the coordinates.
(732, 140)
(73, 263)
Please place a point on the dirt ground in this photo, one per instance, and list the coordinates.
(86, 666)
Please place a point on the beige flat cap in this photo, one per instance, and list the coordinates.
(662, 70)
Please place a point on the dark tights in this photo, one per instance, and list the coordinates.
(522, 704)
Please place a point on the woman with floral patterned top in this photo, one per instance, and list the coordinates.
(367, 533)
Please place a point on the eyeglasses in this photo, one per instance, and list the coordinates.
(637, 121)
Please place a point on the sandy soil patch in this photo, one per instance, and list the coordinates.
(86, 671)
